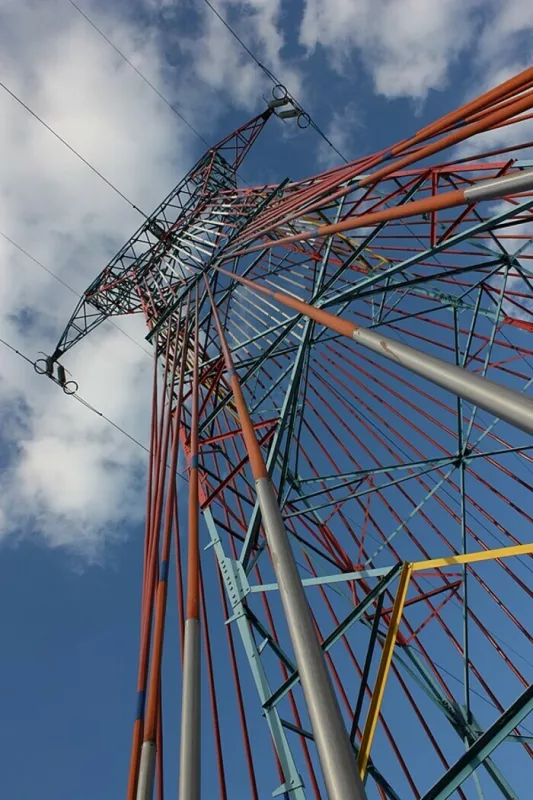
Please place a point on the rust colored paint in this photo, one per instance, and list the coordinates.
(255, 456)
(335, 323)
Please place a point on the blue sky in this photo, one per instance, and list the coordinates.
(369, 72)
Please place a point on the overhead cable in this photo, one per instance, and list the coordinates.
(272, 77)
(67, 286)
(139, 73)
(80, 399)
(72, 150)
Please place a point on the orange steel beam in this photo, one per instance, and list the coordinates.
(190, 747)
(154, 690)
(335, 752)
(507, 404)
(142, 765)
(512, 183)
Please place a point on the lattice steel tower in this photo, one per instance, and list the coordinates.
(342, 364)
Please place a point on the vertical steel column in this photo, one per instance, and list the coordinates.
(336, 755)
(145, 785)
(190, 774)
(147, 758)
(189, 779)
(294, 383)
(138, 725)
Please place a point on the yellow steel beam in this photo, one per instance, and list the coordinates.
(384, 666)
(392, 634)
(469, 558)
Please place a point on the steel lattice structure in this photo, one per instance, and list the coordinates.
(403, 482)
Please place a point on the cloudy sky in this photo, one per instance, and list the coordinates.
(350, 63)
(368, 71)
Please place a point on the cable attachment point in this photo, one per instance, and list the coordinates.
(287, 105)
(45, 366)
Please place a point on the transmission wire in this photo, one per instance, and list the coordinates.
(271, 76)
(72, 150)
(81, 400)
(149, 83)
(14, 349)
(67, 286)
(110, 421)
(139, 73)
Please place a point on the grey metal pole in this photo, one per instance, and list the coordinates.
(508, 404)
(337, 758)
(145, 784)
(190, 778)
(499, 187)
(190, 746)
(335, 752)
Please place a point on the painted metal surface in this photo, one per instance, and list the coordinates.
(190, 753)
(370, 464)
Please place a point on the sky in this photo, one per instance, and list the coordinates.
(71, 486)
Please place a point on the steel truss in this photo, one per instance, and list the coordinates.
(407, 507)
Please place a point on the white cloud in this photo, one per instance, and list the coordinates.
(505, 32)
(67, 476)
(221, 63)
(504, 49)
(217, 60)
(407, 46)
(340, 131)
(76, 480)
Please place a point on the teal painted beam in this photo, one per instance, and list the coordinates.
(483, 747)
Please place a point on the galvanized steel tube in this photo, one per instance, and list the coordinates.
(507, 404)
(145, 783)
(335, 751)
(190, 775)
(336, 755)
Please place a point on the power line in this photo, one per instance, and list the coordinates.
(39, 264)
(139, 73)
(81, 400)
(14, 349)
(110, 421)
(149, 83)
(67, 286)
(242, 44)
(272, 77)
(72, 150)
(88, 405)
